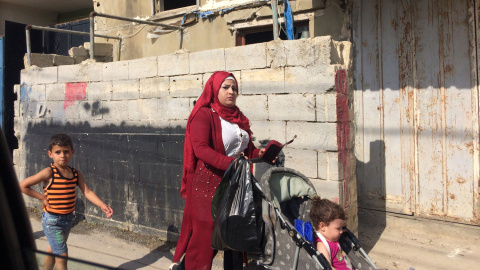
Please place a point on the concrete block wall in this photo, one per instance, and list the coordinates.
(128, 120)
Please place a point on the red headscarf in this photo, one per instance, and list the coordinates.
(209, 98)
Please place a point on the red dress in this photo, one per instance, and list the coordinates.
(197, 224)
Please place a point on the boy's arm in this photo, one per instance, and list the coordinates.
(323, 249)
(91, 196)
(42, 176)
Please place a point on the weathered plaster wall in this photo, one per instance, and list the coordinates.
(128, 120)
(325, 17)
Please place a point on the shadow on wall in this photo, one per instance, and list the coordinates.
(371, 222)
(135, 169)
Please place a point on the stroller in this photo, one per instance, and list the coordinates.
(287, 197)
(279, 200)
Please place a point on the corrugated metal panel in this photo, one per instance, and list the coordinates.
(417, 112)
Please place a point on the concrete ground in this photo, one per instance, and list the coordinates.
(392, 241)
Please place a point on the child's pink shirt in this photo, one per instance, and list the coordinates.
(339, 261)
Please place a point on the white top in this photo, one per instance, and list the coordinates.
(235, 139)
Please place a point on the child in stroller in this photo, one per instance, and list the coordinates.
(328, 219)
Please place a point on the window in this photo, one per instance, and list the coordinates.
(174, 4)
(248, 36)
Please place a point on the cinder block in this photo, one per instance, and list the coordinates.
(80, 59)
(99, 91)
(33, 75)
(326, 107)
(61, 60)
(246, 57)
(89, 110)
(299, 52)
(28, 110)
(276, 54)
(115, 71)
(122, 90)
(142, 68)
(263, 81)
(323, 50)
(72, 113)
(16, 89)
(313, 136)
(32, 92)
(254, 107)
(100, 49)
(143, 109)
(186, 86)
(342, 52)
(207, 61)
(177, 108)
(115, 111)
(329, 167)
(178, 127)
(55, 91)
(264, 131)
(304, 161)
(312, 79)
(237, 75)
(154, 87)
(91, 71)
(55, 110)
(16, 110)
(85, 72)
(78, 51)
(181, 64)
(331, 190)
(39, 60)
(69, 74)
(293, 107)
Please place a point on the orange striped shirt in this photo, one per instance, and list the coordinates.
(61, 192)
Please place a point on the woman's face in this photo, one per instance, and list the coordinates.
(228, 93)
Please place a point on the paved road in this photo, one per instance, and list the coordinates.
(105, 249)
(392, 241)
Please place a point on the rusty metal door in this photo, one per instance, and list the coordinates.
(416, 107)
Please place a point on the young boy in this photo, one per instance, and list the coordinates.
(328, 219)
(59, 185)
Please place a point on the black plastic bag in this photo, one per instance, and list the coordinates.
(237, 211)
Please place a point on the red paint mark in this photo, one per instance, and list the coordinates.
(74, 92)
(343, 126)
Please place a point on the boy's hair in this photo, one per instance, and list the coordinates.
(60, 140)
(325, 211)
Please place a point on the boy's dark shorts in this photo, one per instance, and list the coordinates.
(57, 228)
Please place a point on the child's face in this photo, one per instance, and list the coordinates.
(61, 155)
(333, 231)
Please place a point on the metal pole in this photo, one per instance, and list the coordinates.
(135, 20)
(181, 39)
(275, 19)
(70, 32)
(92, 34)
(119, 48)
(29, 48)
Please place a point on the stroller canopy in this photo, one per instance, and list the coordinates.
(282, 184)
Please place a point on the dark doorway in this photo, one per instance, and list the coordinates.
(15, 48)
(60, 43)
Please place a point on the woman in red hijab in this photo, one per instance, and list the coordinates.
(217, 132)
